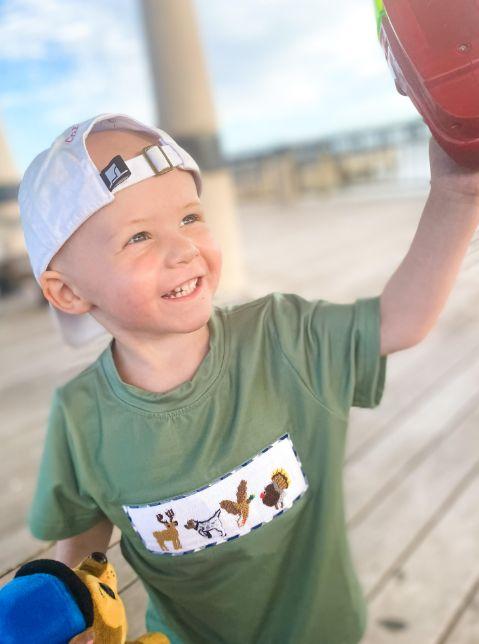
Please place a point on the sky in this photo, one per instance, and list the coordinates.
(281, 71)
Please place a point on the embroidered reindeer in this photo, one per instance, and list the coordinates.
(169, 534)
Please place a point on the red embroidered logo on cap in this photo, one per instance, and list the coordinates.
(71, 136)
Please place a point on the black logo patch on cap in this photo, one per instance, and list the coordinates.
(115, 172)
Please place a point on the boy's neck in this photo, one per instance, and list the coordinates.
(159, 368)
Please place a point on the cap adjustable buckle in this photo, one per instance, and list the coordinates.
(152, 162)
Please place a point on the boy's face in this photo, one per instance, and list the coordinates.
(151, 239)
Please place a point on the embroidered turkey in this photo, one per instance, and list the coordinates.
(274, 493)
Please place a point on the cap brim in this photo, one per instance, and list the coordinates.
(77, 330)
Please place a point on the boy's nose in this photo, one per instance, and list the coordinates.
(182, 249)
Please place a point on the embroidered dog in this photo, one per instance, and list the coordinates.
(274, 493)
(206, 527)
(241, 506)
(169, 534)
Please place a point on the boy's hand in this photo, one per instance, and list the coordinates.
(448, 175)
(84, 638)
(416, 293)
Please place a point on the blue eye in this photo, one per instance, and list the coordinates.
(136, 235)
(196, 217)
(141, 235)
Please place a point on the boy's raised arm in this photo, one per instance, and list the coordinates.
(415, 295)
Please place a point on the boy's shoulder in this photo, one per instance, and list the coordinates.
(248, 319)
(279, 319)
(267, 304)
(276, 311)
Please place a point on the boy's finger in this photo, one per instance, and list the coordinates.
(87, 637)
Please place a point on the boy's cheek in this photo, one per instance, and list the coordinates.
(215, 246)
(132, 297)
(216, 258)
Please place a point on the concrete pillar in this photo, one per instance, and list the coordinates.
(185, 110)
(8, 171)
(12, 244)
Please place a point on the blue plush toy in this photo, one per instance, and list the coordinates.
(49, 603)
(45, 603)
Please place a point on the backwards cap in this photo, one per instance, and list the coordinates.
(62, 188)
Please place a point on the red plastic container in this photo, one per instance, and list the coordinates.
(432, 47)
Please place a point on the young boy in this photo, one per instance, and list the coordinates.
(213, 437)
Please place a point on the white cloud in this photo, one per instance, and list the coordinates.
(103, 58)
(29, 27)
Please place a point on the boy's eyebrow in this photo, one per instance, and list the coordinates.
(139, 220)
(119, 231)
(193, 203)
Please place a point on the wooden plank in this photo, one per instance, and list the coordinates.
(417, 603)
(29, 368)
(338, 242)
(30, 322)
(135, 600)
(383, 466)
(465, 627)
(43, 550)
(409, 379)
(404, 516)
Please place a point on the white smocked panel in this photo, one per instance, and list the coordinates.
(242, 500)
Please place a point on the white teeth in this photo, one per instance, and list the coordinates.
(187, 286)
(183, 289)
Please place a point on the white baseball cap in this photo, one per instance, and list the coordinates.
(62, 187)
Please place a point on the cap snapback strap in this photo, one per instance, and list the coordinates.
(153, 160)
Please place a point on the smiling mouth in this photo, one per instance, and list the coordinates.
(182, 292)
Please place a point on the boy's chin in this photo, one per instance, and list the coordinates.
(188, 323)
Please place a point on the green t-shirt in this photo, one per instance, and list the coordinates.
(228, 488)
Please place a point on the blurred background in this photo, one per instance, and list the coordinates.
(316, 173)
(303, 100)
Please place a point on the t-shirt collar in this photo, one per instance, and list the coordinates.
(182, 396)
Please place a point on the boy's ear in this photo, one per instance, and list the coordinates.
(62, 295)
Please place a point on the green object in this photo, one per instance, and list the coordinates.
(277, 365)
(379, 9)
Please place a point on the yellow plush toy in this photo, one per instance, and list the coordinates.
(49, 603)
(109, 617)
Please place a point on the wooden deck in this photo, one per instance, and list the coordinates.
(412, 469)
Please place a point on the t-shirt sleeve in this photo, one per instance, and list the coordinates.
(60, 508)
(334, 348)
